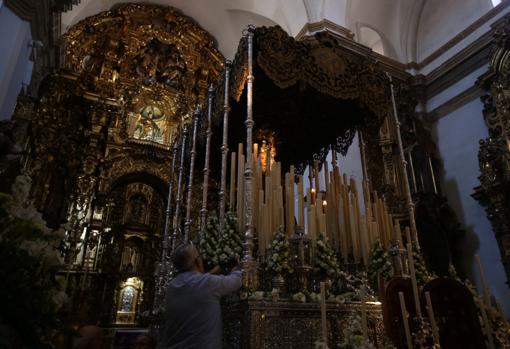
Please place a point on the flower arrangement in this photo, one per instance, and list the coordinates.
(422, 274)
(230, 244)
(209, 242)
(320, 344)
(353, 335)
(29, 257)
(325, 257)
(299, 297)
(379, 263)
(278, 260)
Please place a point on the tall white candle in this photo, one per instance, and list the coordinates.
(301, 220)
(404, 320)
(232, 181)
(413, 280)
(430, 311)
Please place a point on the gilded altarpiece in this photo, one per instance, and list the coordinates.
(494, 153)
(101, 147)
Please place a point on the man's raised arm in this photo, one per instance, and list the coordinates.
(222, 285)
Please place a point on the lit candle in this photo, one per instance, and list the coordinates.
(404, 320)
(323, 313)
(301, 204)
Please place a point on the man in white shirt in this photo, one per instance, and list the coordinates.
(193, 312)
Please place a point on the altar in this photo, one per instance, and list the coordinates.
(286, 324)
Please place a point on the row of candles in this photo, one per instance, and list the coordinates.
(485, 304)
(336, 211)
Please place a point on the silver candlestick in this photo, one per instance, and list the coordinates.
(206, 171)
(187, 222)
(224, 146)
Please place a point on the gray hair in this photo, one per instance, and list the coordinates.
(184, 257)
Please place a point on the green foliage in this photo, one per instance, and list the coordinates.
(279, 253)
(325, 257)
(379, 263)
(230, 244)
(422, 274)
(209, 242)
(30, 292)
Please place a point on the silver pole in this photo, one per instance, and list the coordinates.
(205, 187)
(176, 223)
(362, 146)
(164, 252)
(403, 163)
(162, 273)
(224, 145)
(249, 265)
(187, 222)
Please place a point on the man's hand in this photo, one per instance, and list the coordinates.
(237, 266)
(216, 270)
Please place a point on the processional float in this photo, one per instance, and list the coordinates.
(308, 244)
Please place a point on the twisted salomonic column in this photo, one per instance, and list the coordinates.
(205, 186)
(249, 264)
(403, 162)
(187, 222)
(224, 146)
(176, 224)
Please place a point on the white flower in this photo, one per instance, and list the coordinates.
(257, 295)
(300, 297)
(60, 298)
